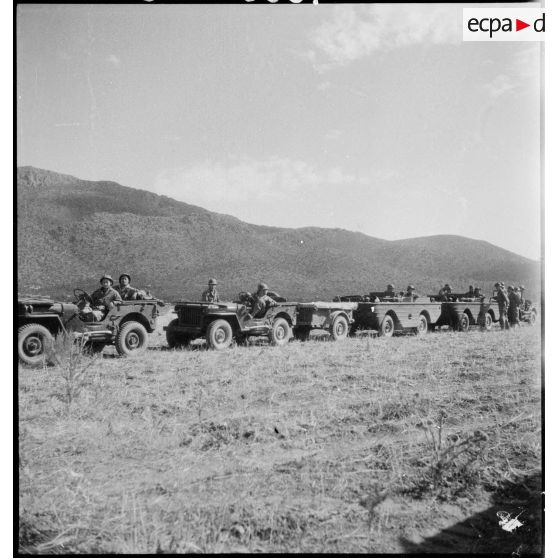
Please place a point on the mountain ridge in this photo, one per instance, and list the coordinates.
(70, 231)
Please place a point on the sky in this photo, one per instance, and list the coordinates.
(371, 118)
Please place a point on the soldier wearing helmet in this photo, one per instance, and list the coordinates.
(261, 302)
(124, 289)
(445, 292)
(410, 294)
(211, 294)
(390, 292)
(503, 305)
(102, 300)
(513, 309)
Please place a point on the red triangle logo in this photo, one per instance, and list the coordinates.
(519, 25)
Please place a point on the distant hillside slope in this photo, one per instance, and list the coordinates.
(70, 231)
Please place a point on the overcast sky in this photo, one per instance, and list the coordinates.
(372, 118)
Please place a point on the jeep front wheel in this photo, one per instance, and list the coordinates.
(131, 339)
(386, 327)
(280, 332)
(339, 328)
(219, 335)
(34, 342)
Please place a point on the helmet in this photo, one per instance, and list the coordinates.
(391, 287)
(448, 287)
(212, 281)
(106, 276)
(262, 287)
(496, 285)
(124, 275)
(410, 288)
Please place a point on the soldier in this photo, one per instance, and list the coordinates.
(125, 290)
(503, 303)
(102, 300)
(471, 292)
(522, 298)
(390, 292)
(513, 309)
(410, 293)
(261, 302)
(211, 294)
(445, 292)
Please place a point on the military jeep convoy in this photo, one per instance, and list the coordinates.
(127, 323)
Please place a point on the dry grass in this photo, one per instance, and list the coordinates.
(363, 446)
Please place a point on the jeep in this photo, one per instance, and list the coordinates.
(221, 322)
(125, 326)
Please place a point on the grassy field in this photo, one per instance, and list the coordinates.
(369, 445)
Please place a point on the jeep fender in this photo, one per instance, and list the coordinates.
(136, 317)
(51, 321)
(284, 315)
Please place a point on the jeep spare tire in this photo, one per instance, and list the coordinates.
(131, 339)
(219, 335)
(34, 344)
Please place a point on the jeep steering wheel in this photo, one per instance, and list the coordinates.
(80, 295)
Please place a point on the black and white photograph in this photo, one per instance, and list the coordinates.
(280, 277)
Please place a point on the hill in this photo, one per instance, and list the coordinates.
(70, 231)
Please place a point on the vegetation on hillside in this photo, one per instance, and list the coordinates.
(71, 231)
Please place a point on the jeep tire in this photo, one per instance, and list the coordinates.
(487, 322)
(386, 327)
(131, 339)
(34, 343)
(423, 326)
(463, 323)
(339, 328)
(280, 332)
(219, 335)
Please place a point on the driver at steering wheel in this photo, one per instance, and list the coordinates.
(101, 300)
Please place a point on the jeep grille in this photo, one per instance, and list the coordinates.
(190, 315)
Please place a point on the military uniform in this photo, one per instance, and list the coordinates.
(513, 309)
(102, 300)
(127, 293)
(261, 303)
(503, 304)
(210, 295)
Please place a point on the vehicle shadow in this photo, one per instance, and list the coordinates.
(493, 531)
